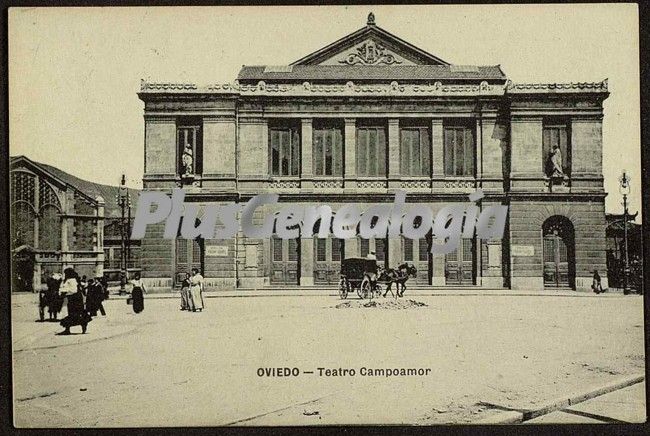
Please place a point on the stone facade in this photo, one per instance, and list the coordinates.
(402, 119)
(53, 226)
(60, 221)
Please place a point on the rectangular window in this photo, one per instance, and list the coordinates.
(459, 150)
(555, 135)
(284, 144)
(293, 250)
(408, 250)
(337, 249)
(365, 247)
(423, 250)
(277, 249)
(415, 151)
(321, 249)
(189, 145)
(371, 151)
(380, 249)
(327, 151)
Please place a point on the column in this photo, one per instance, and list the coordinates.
(64, 222)
(438, 150)
(99, 247)
(493, 135)
(351, 247)
(393, 150)
(37, 208)
(306, 149)
(395, 255)
(36, 280)
(438, 269)
(307, 262)
(479, 148)
(350, 169)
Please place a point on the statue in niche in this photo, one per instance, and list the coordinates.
(188, 160)
(555, 160)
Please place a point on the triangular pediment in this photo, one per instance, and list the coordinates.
(370, 45)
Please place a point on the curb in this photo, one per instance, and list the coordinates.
(515, 417)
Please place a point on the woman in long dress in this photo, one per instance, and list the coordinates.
(185, 292)
(137, 293)
(77, 315)
(196, 290)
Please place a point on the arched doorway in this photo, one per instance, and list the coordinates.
(189, 254)
(558, 252)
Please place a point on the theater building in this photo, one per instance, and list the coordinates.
(359, 119)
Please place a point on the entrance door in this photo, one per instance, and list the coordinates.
(327, 260)
(558, 252)
(189, 255)
(459, 264)
(556, 265)
(284, 261)
(417, 253)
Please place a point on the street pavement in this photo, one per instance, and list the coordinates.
(618, 407)
(166, 367)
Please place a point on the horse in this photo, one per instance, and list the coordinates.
(399, 276)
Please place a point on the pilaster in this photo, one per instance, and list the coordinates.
(437, 151)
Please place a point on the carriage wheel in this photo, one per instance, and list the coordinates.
(343, 289)
(365, 288)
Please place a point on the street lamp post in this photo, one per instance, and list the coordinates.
(624, 189)
(123, 201)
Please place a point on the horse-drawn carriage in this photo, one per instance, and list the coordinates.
(365, 277)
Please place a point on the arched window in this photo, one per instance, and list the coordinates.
(22, 208)
(22, 224)
(49, 228)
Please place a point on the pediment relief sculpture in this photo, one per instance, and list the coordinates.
(370, 53)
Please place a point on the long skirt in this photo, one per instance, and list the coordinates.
(185, 297)
(77, 314)
(197, 297)
(138, 300)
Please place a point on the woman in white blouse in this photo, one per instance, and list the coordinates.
(77, 314)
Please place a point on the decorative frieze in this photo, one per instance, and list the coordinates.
(347, 89)
(459, 184)
(328, 184)
(415, 184)
(285, 184)
(556, 87)
(371, 184)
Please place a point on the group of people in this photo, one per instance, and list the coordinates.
(84, 299)
(192, 291)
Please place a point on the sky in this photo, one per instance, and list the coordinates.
(74, 73)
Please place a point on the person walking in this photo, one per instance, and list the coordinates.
(52, 298)
(71, 290)
(137, 293)
(94, 298)
(196, 290)
(185, 292)
(596, 284)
